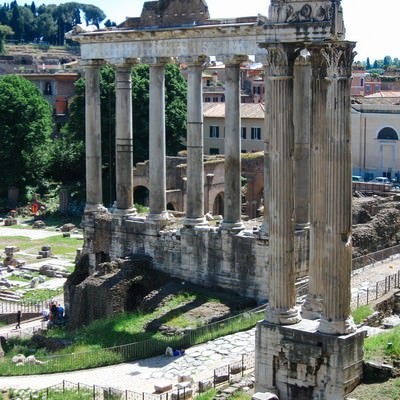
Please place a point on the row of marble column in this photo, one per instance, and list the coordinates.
(157, 153)
(326, 102)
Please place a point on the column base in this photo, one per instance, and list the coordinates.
(312, 307)
(301, 226)
(341, 327)
(232, 226)
(192, 222)
(95, 208)
(282, 317)
(122, 212)
(163, 216)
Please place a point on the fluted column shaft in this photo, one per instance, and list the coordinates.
(337, 61)
(94, 188)
(124, 140)
(232, 195)
(302, 120)
(158, 185)
(279, 101)
(312, 307)
(195, 150)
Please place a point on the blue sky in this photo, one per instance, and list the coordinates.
(373, 24)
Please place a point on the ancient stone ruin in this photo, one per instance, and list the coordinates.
(315, 354)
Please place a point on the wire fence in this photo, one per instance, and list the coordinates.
(368, 294)
(181, 391)
(377, 256)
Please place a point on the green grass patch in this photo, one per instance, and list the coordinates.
(37, 295)
(208, 395)
(384, 345)
(389, 390)
(361, 313)
(95, 345)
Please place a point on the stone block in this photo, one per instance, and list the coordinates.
(162, 386)
(182, 394)
(205, 385)
(264, 396)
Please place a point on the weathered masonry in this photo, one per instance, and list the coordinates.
(315, 354)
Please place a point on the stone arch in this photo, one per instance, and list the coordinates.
(171, 206)
(141, 195)
(218, 205)
(388, 133)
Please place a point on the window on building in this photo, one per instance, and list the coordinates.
(207, 100)
(362, 82)
(213, 151)
(367, 88)
(256, 133)
(257, 90)
(377, 88)
(47, 88)
(215, 99)
(214, 131)
(388, 134)
(244, 132)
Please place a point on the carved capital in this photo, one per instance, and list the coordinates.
(332, 60)
(194, 60)
(158, 60)
(280, 60)
(91, 64)
(234, 60)
(124, 63)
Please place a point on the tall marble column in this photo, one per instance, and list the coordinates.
(337, 59)
(302, 122)
(94, 187)
(124, 140)
(279, 103)
(195, 150)
(157, 152)
(232, 187)
(312, 307)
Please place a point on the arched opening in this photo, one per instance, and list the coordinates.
(134, 296)
(218, 207)
(141, 195)
(387, 133)
(47, 88)
(170, 207)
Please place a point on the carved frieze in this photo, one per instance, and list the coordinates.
(286, 11)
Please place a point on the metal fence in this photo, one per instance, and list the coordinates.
(372, 258)
(221, 375)
(373, 292)
(138, 350)
(9, 307)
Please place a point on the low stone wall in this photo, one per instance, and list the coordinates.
(205, 256)
(9, 319)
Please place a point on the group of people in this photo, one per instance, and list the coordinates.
(54, 315)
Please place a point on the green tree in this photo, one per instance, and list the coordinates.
(5, 31)
(368, 66)
(25, 133)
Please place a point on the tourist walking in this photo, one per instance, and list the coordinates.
(18, 326)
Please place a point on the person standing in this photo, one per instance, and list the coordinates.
(18, 326)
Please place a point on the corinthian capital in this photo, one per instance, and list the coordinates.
(280, 60)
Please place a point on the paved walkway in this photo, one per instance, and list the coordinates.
(141, 376)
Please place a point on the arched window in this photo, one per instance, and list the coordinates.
(388, 134)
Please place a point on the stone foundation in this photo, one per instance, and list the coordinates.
(206, 256)
(298, 363)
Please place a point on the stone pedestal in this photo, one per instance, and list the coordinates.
(298, 363)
